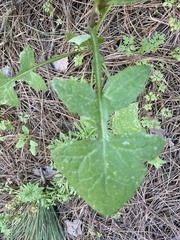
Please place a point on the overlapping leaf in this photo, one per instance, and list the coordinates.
(126, 120)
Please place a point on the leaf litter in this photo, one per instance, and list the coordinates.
(153, 212)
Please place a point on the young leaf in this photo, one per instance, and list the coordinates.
(25, 130)
(124, 87)
(79, 97)
(33, 146)
(80, 39)
(157, 162)
(106, 173)
(20, 144)
(27, 58)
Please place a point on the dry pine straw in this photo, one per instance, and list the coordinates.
(153, 212)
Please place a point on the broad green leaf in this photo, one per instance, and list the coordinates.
(3, 79)
(79, 97)
(124, 87)
(20, 144)
(25, 130)
(34, 80)
(8, 95)
(106, 173)
(80, 39)
(27, 58)
(126, 120)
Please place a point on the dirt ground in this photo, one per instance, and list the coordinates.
(154, 211)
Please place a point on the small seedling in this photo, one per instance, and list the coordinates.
(78, 60)
(174, 23)
(148, 106)
(128, 45)
(152, 45)
(176, 53)
(162, 88)
(151, 97)
(48, 7)
(5, 125)
(157, 76)
(26, 138)
(147, 123)
(171, 3)
(5, 220)
(23, 117)
(166, 112)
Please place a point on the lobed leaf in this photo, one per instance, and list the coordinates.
(79, 97)
(124, 87)
(106, 173)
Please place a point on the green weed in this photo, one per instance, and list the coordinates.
(92, 164)
(26, 138)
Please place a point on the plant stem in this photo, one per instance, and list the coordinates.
(102, 18)
(53, 59)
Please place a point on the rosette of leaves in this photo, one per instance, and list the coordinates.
(106, 171)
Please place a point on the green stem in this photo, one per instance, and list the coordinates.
(102, 18)
(53, 59)
(97, 66)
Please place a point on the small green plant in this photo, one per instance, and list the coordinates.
(157, 76)
(151, 97)
(48, 7)
(26, 138)
(99, 234)
(152, 44)
(176, 53)
(171, 3)
(23, 117)
(5, 220)
(5, 125)
(58, 189)
(128, 45)
(78, 60)
(174, 24)
(166, 112)
(30, 192)
(148, 106)
(153, 123)
(162, 88)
